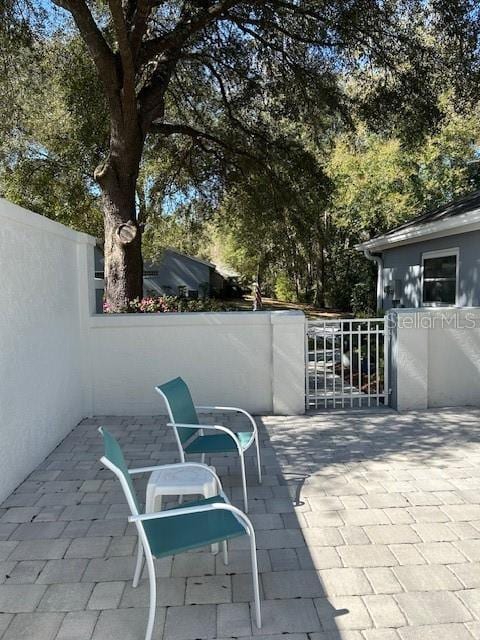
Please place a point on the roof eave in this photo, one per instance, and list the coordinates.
(451, 226)
(194, 258)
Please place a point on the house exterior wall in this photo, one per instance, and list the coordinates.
(404, 264)
(175, 270)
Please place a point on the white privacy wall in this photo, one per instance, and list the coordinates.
(435, 357)
(42, 386)
(59, 363)
(244, 359)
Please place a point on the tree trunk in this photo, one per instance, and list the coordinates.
(117, 178)
(319, 299)
(123, 239)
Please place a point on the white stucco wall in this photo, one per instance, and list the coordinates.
(436, 357)
(233, 358)
(41, 345)
(454, 360)
(59, 363)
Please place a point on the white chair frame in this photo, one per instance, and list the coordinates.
(241, 450)
(144, 546)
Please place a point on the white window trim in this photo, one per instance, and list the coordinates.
(441, 253)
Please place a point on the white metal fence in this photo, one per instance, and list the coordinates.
(347, 363)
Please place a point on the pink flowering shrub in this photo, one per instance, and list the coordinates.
(167, 304)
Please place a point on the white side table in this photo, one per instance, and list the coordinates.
(178, 482)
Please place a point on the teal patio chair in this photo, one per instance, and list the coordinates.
(189, 432)
(181, 528)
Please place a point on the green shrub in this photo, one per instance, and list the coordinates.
(284, 289)
(363, 300)
(168, 304)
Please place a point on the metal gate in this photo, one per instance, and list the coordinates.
(347, 363)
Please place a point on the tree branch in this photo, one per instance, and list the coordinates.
(168, 129)
(139, 25)
(276, 26)
(101, 53)
(185, 29)
(128, 79)
(152, 97)
(223, 92)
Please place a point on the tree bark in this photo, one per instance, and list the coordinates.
(123, 251)
(123, 235)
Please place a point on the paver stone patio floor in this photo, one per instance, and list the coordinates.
(368, 528)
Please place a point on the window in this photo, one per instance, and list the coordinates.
(150, 273)
(440, 278)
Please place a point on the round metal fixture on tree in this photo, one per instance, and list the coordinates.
(126, 232)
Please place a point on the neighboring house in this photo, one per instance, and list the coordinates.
(433, 260)
(174, 274)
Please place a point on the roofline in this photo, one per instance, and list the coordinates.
(100, 245)
(462, 223)
(185, 255)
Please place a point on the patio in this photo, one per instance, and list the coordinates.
(368, 528)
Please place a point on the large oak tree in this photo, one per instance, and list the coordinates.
(202, 69)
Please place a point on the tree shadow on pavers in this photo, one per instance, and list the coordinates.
(77, 538)
(294, 598)
(218, 599)
(67, 521)
(319, 458)
(342, 438)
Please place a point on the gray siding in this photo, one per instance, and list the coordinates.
(404, 264)
(176, 271)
